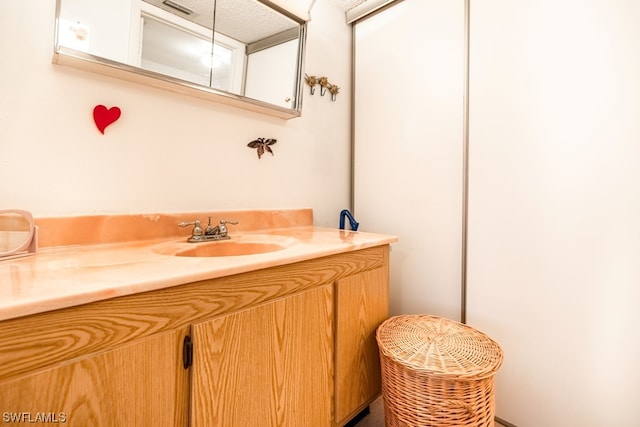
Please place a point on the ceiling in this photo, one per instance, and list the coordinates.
(348, 4)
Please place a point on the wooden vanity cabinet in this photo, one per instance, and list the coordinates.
(282, 346)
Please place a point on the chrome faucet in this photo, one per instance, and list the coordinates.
(210, 233)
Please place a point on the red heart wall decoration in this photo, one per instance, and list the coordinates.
(104, 117)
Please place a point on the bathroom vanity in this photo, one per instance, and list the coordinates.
(128, 333)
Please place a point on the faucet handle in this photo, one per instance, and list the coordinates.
(223, 225)
(197, 228)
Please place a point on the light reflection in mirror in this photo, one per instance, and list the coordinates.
(169, 50)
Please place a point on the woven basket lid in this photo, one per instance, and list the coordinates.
(439, 347)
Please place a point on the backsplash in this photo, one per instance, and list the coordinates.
(102, 229)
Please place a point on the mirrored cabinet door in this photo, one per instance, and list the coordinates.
(174, 51)
(268, 48)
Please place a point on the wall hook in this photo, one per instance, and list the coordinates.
(312, 81)
(324, 84)
(334, 89)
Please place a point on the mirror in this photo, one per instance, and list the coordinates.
(242, 52)
(17, 233)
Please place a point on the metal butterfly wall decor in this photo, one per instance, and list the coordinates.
(262, 145)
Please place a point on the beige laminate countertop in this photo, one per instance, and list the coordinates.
(59, 277)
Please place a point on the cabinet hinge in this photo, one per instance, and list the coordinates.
(187, 352)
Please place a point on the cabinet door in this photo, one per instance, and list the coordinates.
(266, 366)
(133, 385)
(362, 303)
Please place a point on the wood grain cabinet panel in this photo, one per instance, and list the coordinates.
(362, 304)
(266, 366)
(129, 386)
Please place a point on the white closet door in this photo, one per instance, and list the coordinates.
(554, 208)
(408, 147)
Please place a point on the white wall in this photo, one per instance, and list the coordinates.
(554, 229)
(168, 152)
(408, 157)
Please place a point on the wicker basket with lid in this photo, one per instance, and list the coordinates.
(436, 372)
